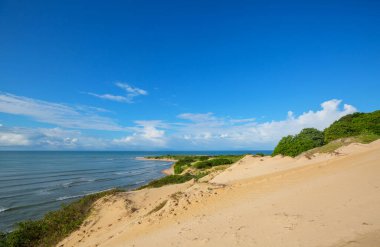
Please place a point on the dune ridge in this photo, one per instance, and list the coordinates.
(319, 200)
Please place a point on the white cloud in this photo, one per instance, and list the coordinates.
(13, 139)
(197, 117)
(147, 133)
(111, 97)
(131, 93)
(79, 117)
(243, 120)
(192, 132)
(49, 139)
(207, 130)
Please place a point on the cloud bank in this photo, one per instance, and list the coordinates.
(218, 132)
(79, 117)
(191, 131)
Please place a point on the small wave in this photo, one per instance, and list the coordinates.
(62, 198)
(122, 173)
(80, 181)
(3, 209)
(43, 192)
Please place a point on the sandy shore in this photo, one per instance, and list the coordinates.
(157, 159)
(169, 171)
(328, 200)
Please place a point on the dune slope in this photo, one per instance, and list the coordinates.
(324, 200)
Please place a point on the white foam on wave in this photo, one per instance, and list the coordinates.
(78, 181)
(122, 173)
(76, 196)
(43, 192)
(68, 184)
(3, 209)
(68, 197)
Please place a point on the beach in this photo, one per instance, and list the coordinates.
(168, 171)
(323, 200)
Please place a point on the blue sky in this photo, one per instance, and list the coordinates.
(182, 75)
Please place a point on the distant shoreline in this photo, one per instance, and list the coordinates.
(157, 159)
(168, 171)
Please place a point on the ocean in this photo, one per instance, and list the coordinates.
(34, 183)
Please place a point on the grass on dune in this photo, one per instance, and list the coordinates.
(336, 144)
(173, 179)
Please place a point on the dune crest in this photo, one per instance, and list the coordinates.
(322, 200)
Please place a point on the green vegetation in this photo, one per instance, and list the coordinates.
(171, 179)
(197, 168)
(201, 162)
(259, 154)
(334, 145)
(183, 163)
(356, 127)
(294, 145)
(212, 162)
(187, 161)
(366, 137)
(54, 226)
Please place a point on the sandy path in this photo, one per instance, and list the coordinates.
(325, 201)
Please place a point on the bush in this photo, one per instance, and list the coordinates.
(3, 238)
(181, 164)
(203, 158)
(212, 162)
(259, 154)
(171, 179)
(353, 125)
(294, 145)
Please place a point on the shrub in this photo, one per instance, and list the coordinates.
(294, 145)
(171, 179)
(212, 162)
(203, 158)
(181, 164)
(353, 125)
(186, 161)
(259, 154)
(3, 238)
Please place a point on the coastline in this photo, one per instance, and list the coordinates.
(187, 213)
(156, 159)
(168, 171)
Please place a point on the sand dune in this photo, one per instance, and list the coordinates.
(324, 200)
